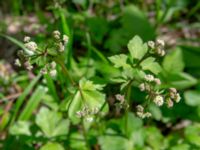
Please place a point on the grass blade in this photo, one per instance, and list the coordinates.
(32, 103)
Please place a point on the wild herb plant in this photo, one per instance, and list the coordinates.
(86, 105)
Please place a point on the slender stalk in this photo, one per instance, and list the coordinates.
(65, 71)
(128, 95)
(85, 134)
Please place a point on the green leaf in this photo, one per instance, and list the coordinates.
(52, 123)
(173, 62)
(119, 61)
(32, 103)
(133, 21)
(20, 128)
(150, 64)
(108, 142)
(88, 95)
(52, 146)
(181, 80)
(192, 134)
(22, 97)
(137, 48)
(192, 98)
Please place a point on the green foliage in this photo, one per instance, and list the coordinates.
(99, 75)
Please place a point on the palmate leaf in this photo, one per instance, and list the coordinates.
(151, 65)
(88, 95)
(137, 48)
(51, 123)
(119, 60)
(52, 146)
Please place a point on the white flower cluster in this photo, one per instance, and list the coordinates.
(159, 97)
(157, 47)
(140, 112)
(87, 113)
(158, 100)
(146, 86)
(51, 68)
(30, 45)
(122, 103)
(60, 42)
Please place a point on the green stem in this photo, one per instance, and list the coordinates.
(65, 71)
(128, 95)
(85, 134)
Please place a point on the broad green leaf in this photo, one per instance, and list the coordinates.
(119, 61)
(173, 62)
(154, 138)
(192, 98)
(133, 21)
(181, 80)
(52, 146)
(192, 134)
(52, 123)
(88, 95)
(109, 142)
(20, 128)
(137, 48)
(150, 64)
(32, 103)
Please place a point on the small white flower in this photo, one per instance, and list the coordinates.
(53, 73)
(169, 103)
(142, 87)
(158, 100)
(162, 53)
(173, 90)
(151, 44)
(120, 97)
(177, 98)
(18, 63)
(149, 78)
(160, 42)
(147, 114)
(56, 34)
(157, 81)
(53, 64)
(31, 46)
(65, 39)
(140, 114)
(28, 65)
(27, 39)
(140, 108)
(89, 119)
(61, 47)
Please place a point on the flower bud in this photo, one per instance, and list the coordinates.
(142, 87)
(158, 100)
(140, 108)
(56, 34)
(53, 73)
(170, 103)
(18, 63)
(28, 65)
(149, 78)
(160, 42)
(53, 65)
(147, 115)
(65, 39)
(151, 44)
(157, 81)
(27, 39)
(177, 98)
(31, 46)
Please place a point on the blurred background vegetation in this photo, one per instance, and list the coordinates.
(98, 29)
